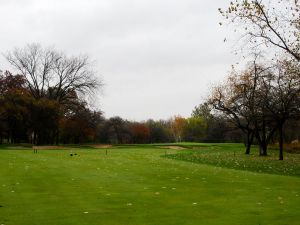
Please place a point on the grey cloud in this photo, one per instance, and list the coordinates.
(156, 57)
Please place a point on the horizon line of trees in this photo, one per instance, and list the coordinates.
(44, 103)
(27, 119)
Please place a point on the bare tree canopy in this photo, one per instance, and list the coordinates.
(237, 99)
(260, 100)
(52, 74)
(271, 23)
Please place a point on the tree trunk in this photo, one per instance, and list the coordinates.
(250, 136)
(263, 149)
(280, 141)
(57, 136)
(262, 145)
(262, 139)
(34, 138)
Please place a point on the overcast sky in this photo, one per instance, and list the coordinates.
(157, 58)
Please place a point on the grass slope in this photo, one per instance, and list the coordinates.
(135, 185)
(233, 156)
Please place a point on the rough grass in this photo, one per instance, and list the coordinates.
(232, 156)
(134, 185)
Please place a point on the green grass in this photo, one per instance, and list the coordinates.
(135, 185)
(233, 156)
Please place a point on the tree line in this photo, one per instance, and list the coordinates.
(195, 128)
(257, 105)
(44, 120)
(44, 102)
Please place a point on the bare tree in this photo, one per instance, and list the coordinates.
(272, 23)
(260, 100)
(283, 90)
(238, 99)
(52, 74)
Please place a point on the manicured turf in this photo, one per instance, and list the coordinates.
(136, 185)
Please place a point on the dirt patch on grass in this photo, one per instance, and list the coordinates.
(101, 146)
(173, 147)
